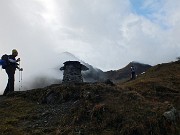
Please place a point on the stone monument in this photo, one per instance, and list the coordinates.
(72, 72)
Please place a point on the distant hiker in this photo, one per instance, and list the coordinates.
(10, 67)
(133, 74)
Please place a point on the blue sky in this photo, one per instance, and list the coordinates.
(146, 8)
(149, 9)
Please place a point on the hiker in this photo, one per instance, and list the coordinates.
(133, 74)
(10, 70)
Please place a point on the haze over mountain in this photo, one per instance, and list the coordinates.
(91, 75)
(56, 76)
(97, 75)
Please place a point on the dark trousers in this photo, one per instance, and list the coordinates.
(133, 75)
(10, 84)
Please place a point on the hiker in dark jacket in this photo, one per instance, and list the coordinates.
(133, 74)
(10, 70)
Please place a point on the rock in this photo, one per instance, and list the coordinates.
(171, 115)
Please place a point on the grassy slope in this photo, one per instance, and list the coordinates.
(161, 82)
(131, 108)
(13, 111)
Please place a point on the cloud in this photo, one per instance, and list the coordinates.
(107, 34)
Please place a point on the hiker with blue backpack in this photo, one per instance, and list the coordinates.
(9, 63)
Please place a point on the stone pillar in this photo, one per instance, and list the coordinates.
(72, 72)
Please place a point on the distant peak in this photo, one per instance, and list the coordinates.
(68, 53)
(68, 56)
(135, 62)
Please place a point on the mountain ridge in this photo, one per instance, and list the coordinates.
(124, 73)
(97, 75)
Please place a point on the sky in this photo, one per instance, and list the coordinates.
(107, 34)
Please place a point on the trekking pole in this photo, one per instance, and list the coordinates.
(19, 77)
(19, 80)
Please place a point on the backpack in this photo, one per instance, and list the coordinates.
(5, 61)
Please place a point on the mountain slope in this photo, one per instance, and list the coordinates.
(125, 73)
(91, 75)
(97, 75)
(161, 81)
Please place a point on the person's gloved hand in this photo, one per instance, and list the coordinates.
(18, 60)
(21, 69)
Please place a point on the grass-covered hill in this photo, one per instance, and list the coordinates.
(161, 82)
(130, 108)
